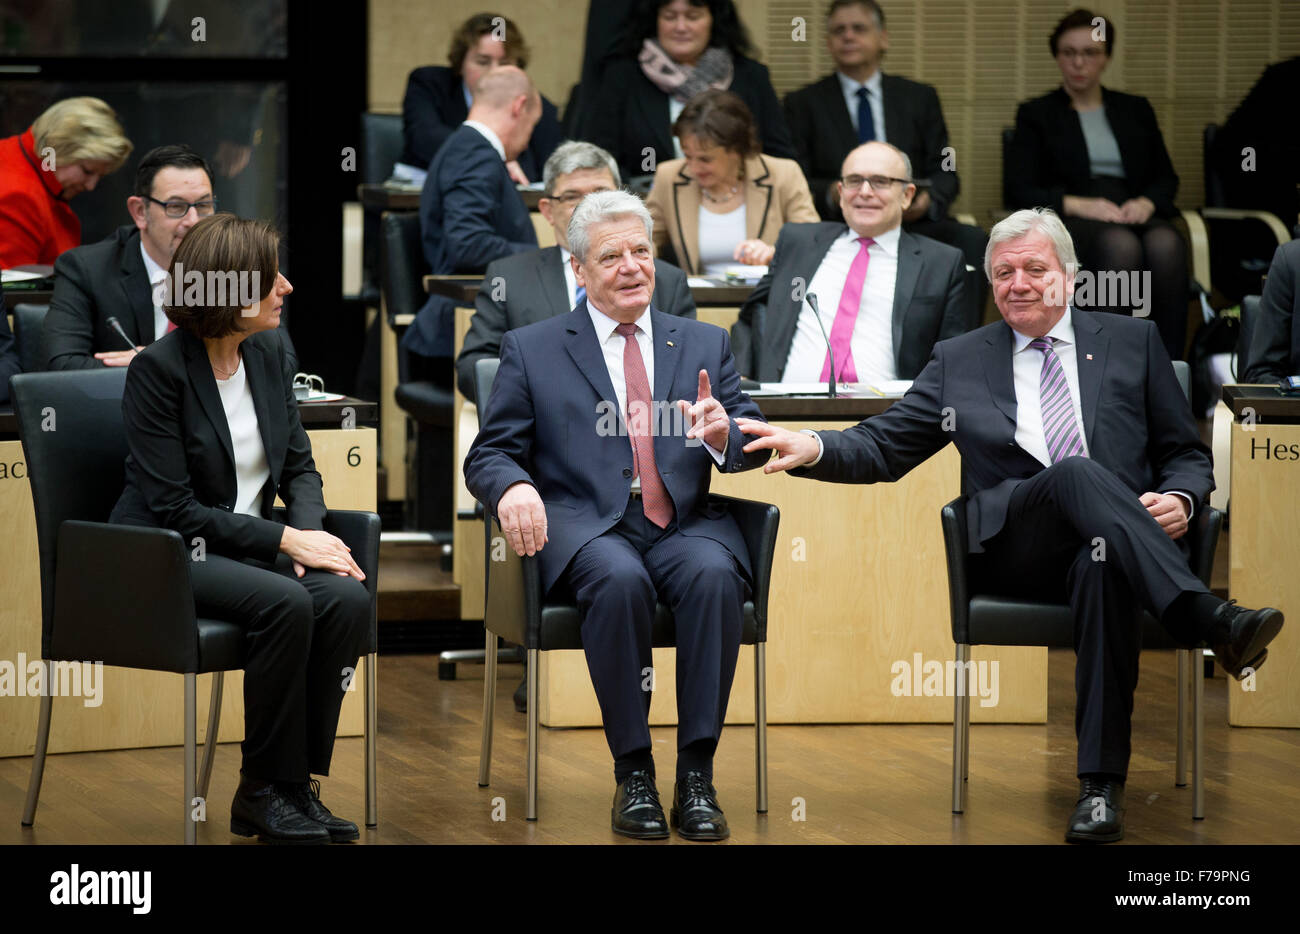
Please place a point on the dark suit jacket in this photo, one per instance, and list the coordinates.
(434, 106)
(180, 472)
(9, 362)
(470, 214)
(929, 300)
(1136, 420)
(1271, 185)
(530, 287)
(823, 133)
(1275, 346)
(628, 113)
(542, 426)
(1048, 158)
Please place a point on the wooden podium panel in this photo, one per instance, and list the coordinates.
(139, 708)
(1264, 570)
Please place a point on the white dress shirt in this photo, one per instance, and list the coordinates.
(489, 136)
(875, 98)
(675, 108)
(251, 468)
(157, 277)
(570, 280)
(873, 332)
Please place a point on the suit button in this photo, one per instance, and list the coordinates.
(618, 515)
(627, 473)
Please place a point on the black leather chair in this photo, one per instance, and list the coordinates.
(985, 619)
(1246, 333)
(518, 611)
(120, 594)
(381, 147)
(429, 403)
(29, 323)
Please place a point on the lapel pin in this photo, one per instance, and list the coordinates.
(670, 343)
(1089, 356)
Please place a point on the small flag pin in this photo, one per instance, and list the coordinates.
(1089, 356)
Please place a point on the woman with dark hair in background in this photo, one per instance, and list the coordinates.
(674, 50)
(1097, 158)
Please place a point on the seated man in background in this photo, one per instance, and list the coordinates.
(9, 362)
(858, 103)
(1275, 345)
(884, 295)
(470, 212)
(1072, 430)
(528, 287)
(620, 518)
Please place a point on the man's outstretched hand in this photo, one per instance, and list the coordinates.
(522, 517)
(707, 418)
(795, 449)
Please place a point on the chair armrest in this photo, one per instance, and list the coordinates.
(359, 530)
(1271, 221)
(758, 525)
(1203, 538)
(953, 518)
(1198, 241)
(512, 606)
(122, 596)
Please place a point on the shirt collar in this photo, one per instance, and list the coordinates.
(156, 273)
(1063, 331)
(887, 241)
(489, 136)
(605, 325)
(850, 86)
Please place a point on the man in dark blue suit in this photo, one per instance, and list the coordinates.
(1072, 428)
(606, 480)
(470, 212)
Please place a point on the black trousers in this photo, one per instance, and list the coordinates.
(299, 636)
(1075, 533)
(616, 580)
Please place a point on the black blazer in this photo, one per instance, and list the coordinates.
(823, 133)
(9, 362)
(628, 113)
(929, 300)
(180, 470)
(1135, 418)
(1275, 346)
(1048, 158)
(530, 287)
(434, 105)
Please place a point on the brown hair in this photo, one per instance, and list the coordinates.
(478, 26)
(223, 250)
(1083, 19)
(721, 118)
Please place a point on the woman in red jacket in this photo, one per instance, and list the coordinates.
(66, 151)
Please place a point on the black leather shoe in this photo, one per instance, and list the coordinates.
(1239, 636)
(695, 813)
(521, 696)
(267, 810)
(1099, 815)
(637, 811)
(307, 796)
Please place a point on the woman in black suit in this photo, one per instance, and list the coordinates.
(1098, 159)
(675, 49)
(213, 435)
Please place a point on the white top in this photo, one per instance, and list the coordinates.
(873, 336)
(570, 280)
(720, 234)
(251, 469)
(157, 290)
(489, 136)
(1027, 369)
(875, 98)
(675, 108)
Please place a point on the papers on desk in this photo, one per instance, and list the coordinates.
(406, 177)
(18, 275)
(322, 397)
(889, 389)
(738, 274)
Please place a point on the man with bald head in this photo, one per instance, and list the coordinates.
(470, 212)
(883, 295)
(1073, 433)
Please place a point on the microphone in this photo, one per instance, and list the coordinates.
(113, 323)
(830, 383)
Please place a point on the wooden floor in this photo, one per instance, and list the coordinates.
(857, 784)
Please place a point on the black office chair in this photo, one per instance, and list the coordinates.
(429, 403)
(516, 609)
(986, 619)
(29, 323)
(121, 594)
(1246, 333)
(381, 147)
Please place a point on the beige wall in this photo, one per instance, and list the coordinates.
(1195, 59)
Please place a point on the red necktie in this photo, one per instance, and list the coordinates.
(655, 501)
(846, 317)
(171, 326)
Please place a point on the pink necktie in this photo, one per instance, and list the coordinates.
(655, 501)
(846, 317)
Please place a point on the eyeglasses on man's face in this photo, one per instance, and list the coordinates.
(878, 183)
(177, 208)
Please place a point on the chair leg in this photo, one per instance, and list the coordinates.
(760, 726)
(960, 735)
(489, 708)
(191, 729)
(533, 694)
(42, 744)
(372, 739)
(1198, 735)
(1180, 758)
(214, 727)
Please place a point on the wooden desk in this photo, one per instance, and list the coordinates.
(14, 297)
(1264, 551)
(144, 708)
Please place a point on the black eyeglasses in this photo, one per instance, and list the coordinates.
(177, 208)
(852, 183)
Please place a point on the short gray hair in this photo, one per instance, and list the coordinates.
(571, 156)
(602, 206)
(1023, 223)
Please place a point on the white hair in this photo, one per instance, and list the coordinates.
(1023, 223)
(599, 207)
(572, 155)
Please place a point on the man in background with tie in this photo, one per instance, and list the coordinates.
(592, 455)
(884, 296)
(1072, 429)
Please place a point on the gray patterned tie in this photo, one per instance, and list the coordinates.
(1060, 428)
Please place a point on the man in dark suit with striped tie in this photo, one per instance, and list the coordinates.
(1072, 429)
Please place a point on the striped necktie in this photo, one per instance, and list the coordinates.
(1060, 427)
